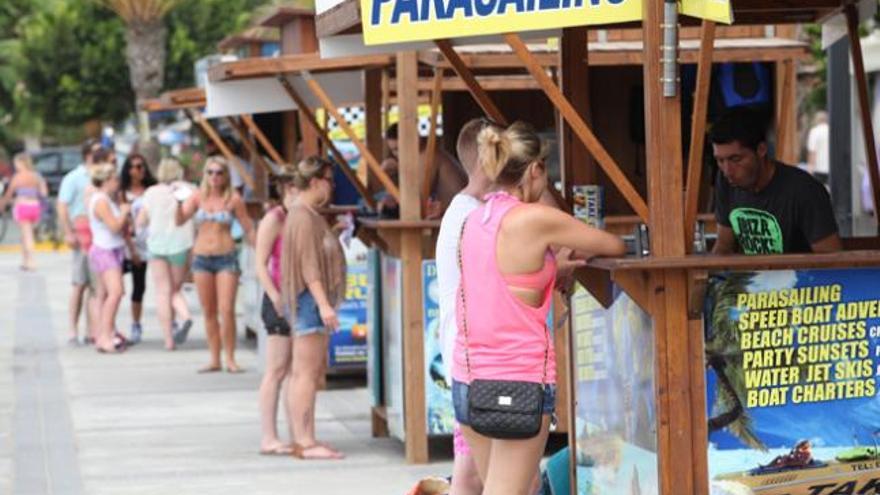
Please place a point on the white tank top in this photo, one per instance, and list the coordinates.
(102, 236)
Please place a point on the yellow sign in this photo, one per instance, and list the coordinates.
(393, 21)
(711, 10)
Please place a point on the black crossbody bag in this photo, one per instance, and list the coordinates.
(502, 409)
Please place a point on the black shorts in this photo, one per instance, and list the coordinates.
(275, 324)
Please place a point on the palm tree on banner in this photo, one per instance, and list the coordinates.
(724, 357)
(145, 37)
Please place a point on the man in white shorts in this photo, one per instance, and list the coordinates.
(465, 478)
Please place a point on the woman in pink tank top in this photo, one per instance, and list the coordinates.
(278, 345)
(508, 274)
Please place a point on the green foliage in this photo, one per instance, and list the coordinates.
(817, 98)
(194, 29)
(73, 64)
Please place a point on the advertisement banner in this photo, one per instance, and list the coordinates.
(348, 346)
(394, 21)
(792, 366)
(613, 359)
(711, 10)
(438, 396)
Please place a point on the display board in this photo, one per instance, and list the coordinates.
(615, 416)
(792, 361)
(438, 396)
(392, 340)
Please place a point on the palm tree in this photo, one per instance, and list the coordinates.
(724, 357)
(145, 48)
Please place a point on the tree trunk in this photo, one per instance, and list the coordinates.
(722, 420)
(145, 54)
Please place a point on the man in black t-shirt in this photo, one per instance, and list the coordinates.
(764, 206)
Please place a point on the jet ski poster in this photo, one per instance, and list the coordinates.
(438, 396)
(792, 368)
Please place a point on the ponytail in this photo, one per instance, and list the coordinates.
(505, 154)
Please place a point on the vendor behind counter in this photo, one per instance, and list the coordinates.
(764, 206)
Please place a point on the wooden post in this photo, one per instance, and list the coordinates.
(431, 148)
(477, 91)
(668, 288)
(855, 43)
(262, 139)
(411, 249)
(330, 107)
(306, 113)
(374, 111)
(580, 127)
(698, 132)
(786, 121)
(575, 72)
(233, 160)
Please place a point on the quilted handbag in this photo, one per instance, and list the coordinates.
(502, 409)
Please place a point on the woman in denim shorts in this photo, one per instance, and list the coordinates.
(278, 349)
(312, 286)
(215, 261)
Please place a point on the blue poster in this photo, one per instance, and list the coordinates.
(792, 366)
(438, 396)
(348, 346)
(613, 361)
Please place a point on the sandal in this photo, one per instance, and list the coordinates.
(209, 369)
(278, 450)
(234, 370)
(316, 452)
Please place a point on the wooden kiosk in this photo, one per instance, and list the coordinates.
(665, 284)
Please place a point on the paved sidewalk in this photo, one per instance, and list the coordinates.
(76, 422)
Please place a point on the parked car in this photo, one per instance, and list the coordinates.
(53, 163)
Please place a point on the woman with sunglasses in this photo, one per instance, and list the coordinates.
(312, 286)
(135, 178)
(215, 261)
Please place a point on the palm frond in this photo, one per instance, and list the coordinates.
(140, 10)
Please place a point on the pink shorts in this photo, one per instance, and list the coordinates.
(460, 447)
(26, 212)
(101, 259)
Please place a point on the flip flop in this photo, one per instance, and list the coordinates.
(280, 450)
(209, 369)
(309, 453)
(235, 371)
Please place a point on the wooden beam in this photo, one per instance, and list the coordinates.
(373, 110)
(477, 91)
(785, 111)
(262, 139)
(668, 288)
(698, 132)
(289, 63)
(212, 134)
(431, 148)
(580, 127)
(411, 248)
(575, 69)
(306, 113)
(242, 132)
(263, 169)
(855, 43)
(371, 160)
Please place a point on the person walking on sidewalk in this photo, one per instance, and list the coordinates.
(74, 221)
(508, 272)
(278, 346)
(215, 264)
(135, 177)
(168, 247)
(107, 221)
(27, 187)
(312, 286)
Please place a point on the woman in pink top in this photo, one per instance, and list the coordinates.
(278, 346)
(27, 187)
(508, 274)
